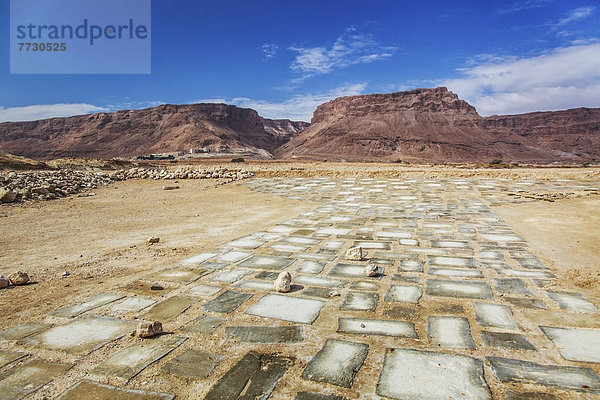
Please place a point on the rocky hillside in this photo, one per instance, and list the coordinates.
(434, 125)
(167, 128)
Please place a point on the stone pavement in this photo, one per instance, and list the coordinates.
(461, 309)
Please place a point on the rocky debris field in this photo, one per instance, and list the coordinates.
(48, 185)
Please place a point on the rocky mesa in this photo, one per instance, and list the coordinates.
(434, 125)
(218, 128)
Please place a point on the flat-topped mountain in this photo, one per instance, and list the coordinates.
(434, 125)
(167, 128)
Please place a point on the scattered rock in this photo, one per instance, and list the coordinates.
(355, 254)
(7, 195)
(170, 187)
(65, 274)
(334, 293)
(153, 239)
(3, 282)
(283, 282)
(86, 194)
(18, 278)
(149, 329)
(156, 286)
(371, 270)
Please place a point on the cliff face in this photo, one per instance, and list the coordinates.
(434, 125)
(154, 130)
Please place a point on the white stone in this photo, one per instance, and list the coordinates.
(283, 282)
(355, 254)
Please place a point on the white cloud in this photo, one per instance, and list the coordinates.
(270, 50)
(297, 108)
(42, 111)
(566, 77)
(523, 5)
(577, 14)
(351, 47)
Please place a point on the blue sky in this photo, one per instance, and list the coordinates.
(284, 58)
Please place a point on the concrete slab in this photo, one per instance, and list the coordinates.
(572, 302)
(458, 289)
(193, 364)
(455, 377)
(511, 286)
(526, 273)
(287, 248)
(81, 336)
(75, 309)
(379, 327)
(454, 272)
(21, 380)
(199, 258)
(203, 325)
(258, 285)
(372, 245)
(450, 332)
(268, 262)
(183, 275)
(337, 362)
(253, 377)
(364, 285)
(353, 271)
(265, 334)
(22, 331)
(410, 266)
(575, 344)
(226, 302)
(455, 262)
(525, 302)
(506, 340)
(231, 275)
(98, 391)
(131, 304)
(267, 275)
(496, 315)
(247, 242)
(501, 237)
(286, 308)
(320, 292)
(204, 290)
(450, 244)
(404, 294)
(360, 301)
(311, 267)
(233, 256)
(567, 378)
(129, 362)
(169, 308)
(319, 281)
(7, 357)
(301, 240)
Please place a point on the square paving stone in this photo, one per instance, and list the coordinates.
(203, 325)
(526, 274)
(99, 391)
(450, 332)
(507, 340)
(319, 281)
(169, 308)
(453, 272)
(81, 336)
(252, 284)
(572, 302)
(406, 279)
(496, 315)
(567, 378)
(575, 344)
(337, 362)
(131, 304)
(268, 262)
(525, 302)
(22, 331)
(409, 374)
(204, 290)
(193, 364)
(511, 286)
(360, 301)
(286, 308)
(320, 292)
(7, 357)
(501, 237)
(265, 334)
(372, 245)
(404, 294)
(267, 275)
(317, 396)
(311, 267)
(226, 302)
(458, 289)
(353, 271)
(231, 275)
(129, 362)
(18, 382)
(233, 256)
(199, 258)
(363, 285)
(287, 248)
(183, 275)
(253, 377)
(452, 244)
(247, 242)
(380, 327)
(75, 309)
(456, 262)
(301, 240)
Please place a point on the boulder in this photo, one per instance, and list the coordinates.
(7, 195)
(355, 254)
(18, 278)
(371, 270)
(153, 239)
(283, 282)
(149, 329)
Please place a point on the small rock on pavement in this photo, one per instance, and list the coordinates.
(153, 239)
(7, 195)
(371, 270)
(283, 281)
(156, 286)
(170, 187)
(355, 254)
(3, 282)
(149, 329)
(18, 278)
(65, 274)
(334, 293)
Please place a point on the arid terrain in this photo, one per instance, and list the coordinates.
(77, 249)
